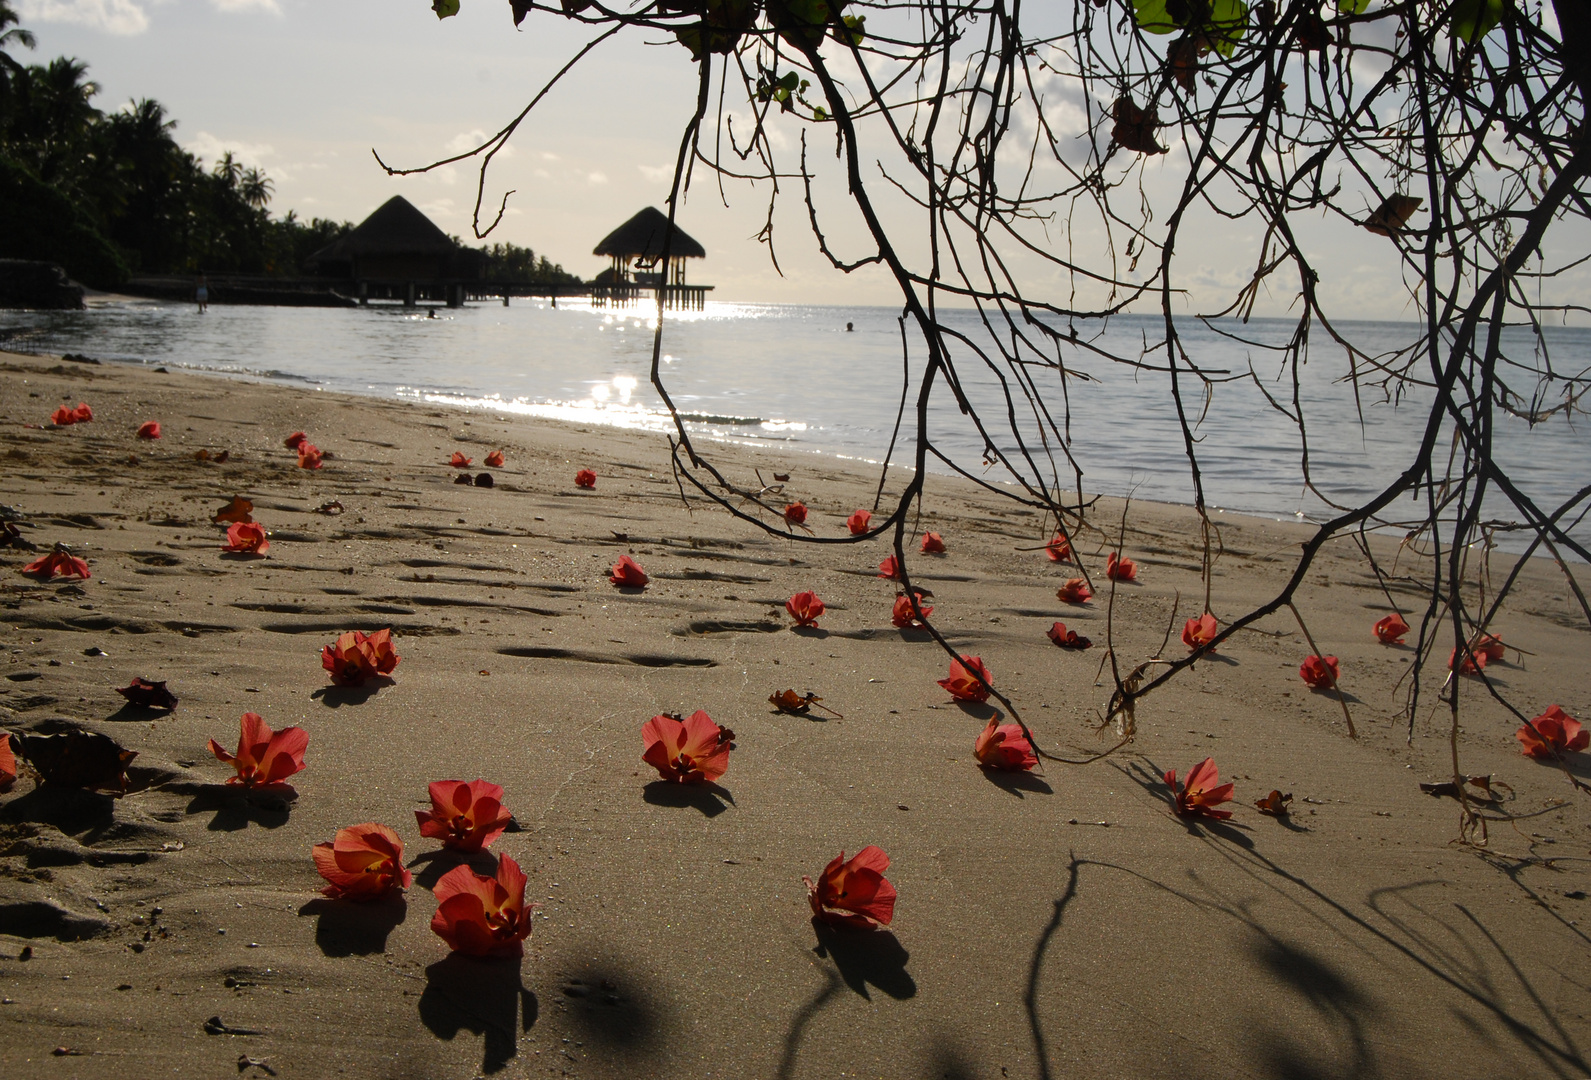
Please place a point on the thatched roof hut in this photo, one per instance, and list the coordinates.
(397, 243)
(638, 244)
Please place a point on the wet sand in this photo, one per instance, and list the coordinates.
(1058, 924)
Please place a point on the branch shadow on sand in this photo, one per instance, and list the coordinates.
(710, 799)
(483, 996)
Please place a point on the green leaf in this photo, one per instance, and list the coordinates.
(1219, 23)
(1228, 20)
(1151, 15)
(1352, 7)
(856, 27)
(1474, 19)
(445, 9)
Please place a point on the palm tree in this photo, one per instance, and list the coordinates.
(256, 188)
(229, 170)
(10, 33)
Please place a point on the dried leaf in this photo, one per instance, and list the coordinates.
(788, 701)
(84, 759)
(1135, 128)
(1274, 804)
(333, 507)
(238, 510)
(1182, 62)
(1393, 214)
(149, 695)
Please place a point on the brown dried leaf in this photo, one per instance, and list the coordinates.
(84, 759)
(1393, 214)
(1274, 804)
(238, 510)
(1135, 128)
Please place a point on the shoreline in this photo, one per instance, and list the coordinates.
(1044, 915)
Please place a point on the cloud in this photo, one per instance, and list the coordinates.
(465, 141)
(656, 174)
(230, 6)
(207, 147)
(123, 17)
(597, 178)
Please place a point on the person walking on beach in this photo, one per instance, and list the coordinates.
(201, 293)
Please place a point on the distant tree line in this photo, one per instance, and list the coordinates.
(109, 195)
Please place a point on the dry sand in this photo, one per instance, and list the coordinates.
(1054, 926)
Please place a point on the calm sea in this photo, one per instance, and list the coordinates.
(793, 376)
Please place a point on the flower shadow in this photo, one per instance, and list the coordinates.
(482, 996)
(980, 710)
(433, 864)
(710, 799)
(1016, 783)
(242, 556)
(866, 957)
(346, 928)
(236, 807)
(914, 633)
(137, 714)
(74, 811)
(335, 696)
(816, 633)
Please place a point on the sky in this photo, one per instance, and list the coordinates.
(308, 88)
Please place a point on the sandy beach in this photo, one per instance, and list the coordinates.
(1057, 924)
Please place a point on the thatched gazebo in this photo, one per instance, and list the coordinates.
(398, 251)
(636, 247)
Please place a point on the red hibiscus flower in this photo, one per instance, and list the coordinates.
(355, 658)
(585, 478)
(148, 695)
(63, 417)
(890, 568)
(465, 817)
(1390, 630)
(58, 563)
(796, 513)
(363, 862)
(693, 751)
(1471, 664)
(1490, 646)
(1075, 591)
(962, 685)
(804, 608)
(494, 460)
(1067, 639)
(483, 916)
(1059, 549)
(246, 536)
(8, 763)
(149, 429)
(1120, 569)
(627, 574)
(1552, 733)
(295, 440)
(903, 615)
(459, 461)
(854, 893)
(82, 414)
(1202, 792)
(1003, 746)
(933, 544)
(859, 522)
(309, 455)
(265, 758)
(1197, 633)
(1319, 672)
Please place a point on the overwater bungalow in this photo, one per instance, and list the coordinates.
(399, 253)
(635, 251)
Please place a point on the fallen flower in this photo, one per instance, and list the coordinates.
(627, 574)
(82, 414)
(1202, 792)
(1198, 633)
(854, 893)
(858, 522)
(459, 461)
(585, 478)
(1274, 804)
(494, 460)
(1490, 646)
(8, 763)
(309, 455)
(82, 759)
(483, 916)
(1003, 746)
(1067, 639)
(1472, 663)
(63, 417)
(464, 816)
(962, 684)
(58, 563)
(693, 751)
(148, 695)
(903, 616)
(889, 568)
(1390, 630)
(239, 509)
(1075, 591)
(1120, 569)
(1059, 549)
(265, 758)
(295, 440)
(355, 658)
(149, 429)
(796, 513)
(1552, 733)
(1319, 672)
(933, 544)
(247, 537)
(804, 608)
(363, 862)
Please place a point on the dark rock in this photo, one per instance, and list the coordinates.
(26, 284)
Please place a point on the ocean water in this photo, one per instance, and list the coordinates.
(794, 377)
